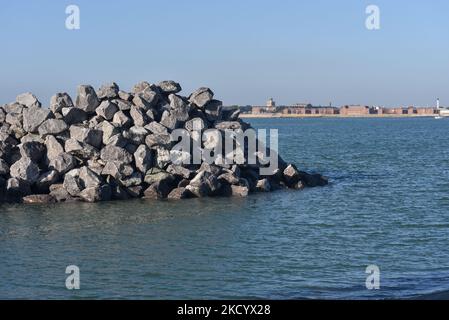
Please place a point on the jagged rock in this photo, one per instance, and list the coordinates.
(291, 175)
(95, 194)
(60, 194)
(13, 108)
(158, 190)
(180, 171)
(263, 185)
(4, 168)
(138, 116)
(81, 150)
(169, 86)
(201, 96)
(72, 115)
(45, 180)
(156, 128)
(155, 175)
(25, 169)
(117, 140)
(125, 96)
(39, 199)
(87, 99)
(52, 126)
(121, 119)
(154, 140)
(88, 178)
(62, 163)
(60, 101)
(169, 120)
(86, 135)
(108, 91)
(146, 98)
(54, 148)
(230, 178)
(135, 179)
(107, 110)
(239, 191)
(229, 125)
(28, 99)
(113, 153)
(179, 193)
(108, 131)
(143, 158)
(195, 124)
(141, 86)
(72, 182)
(33, 150)
(313, 180)
(17, 188)
(33, 117)
(136, 135)
(162, 157)
(213, 110)
(2, 115)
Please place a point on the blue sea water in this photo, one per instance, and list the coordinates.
(387, 204)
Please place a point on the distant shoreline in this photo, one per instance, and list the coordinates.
(279, 115)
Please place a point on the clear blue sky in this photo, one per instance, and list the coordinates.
(246, 51)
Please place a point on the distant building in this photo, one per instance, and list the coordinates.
(354, 110)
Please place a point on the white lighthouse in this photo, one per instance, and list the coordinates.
(438, 103)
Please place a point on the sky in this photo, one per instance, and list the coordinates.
(247, 51)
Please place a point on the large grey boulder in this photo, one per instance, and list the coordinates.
(96, 194)
(107, 110)
(4, 168)
(156, 128)
(143, 158)
(155, 175)
(38, 199)
(86, 135)
(33, 117)
(88, 178)
(45, 180)
(108, 131)
(201, 96)
(87, 99)
(17, 188)
(114, 153)
(62, 163)
(52, 126)
(169, 86)
(25, 170)
(291, 176)
(72, 182)
(60, 101)
(122, 120)
(139, 116)
(28, 99)
(2, 115)
(33, 150)
(72, 115)
(136, 135)
(108, 91)
(213, 110)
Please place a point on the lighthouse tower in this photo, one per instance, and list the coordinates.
(438, 103)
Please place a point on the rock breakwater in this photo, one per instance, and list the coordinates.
(109, 144)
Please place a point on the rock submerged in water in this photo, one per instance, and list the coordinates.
(115, 145)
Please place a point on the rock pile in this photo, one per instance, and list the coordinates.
(113, 145)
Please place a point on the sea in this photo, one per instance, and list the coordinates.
(386, 205)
